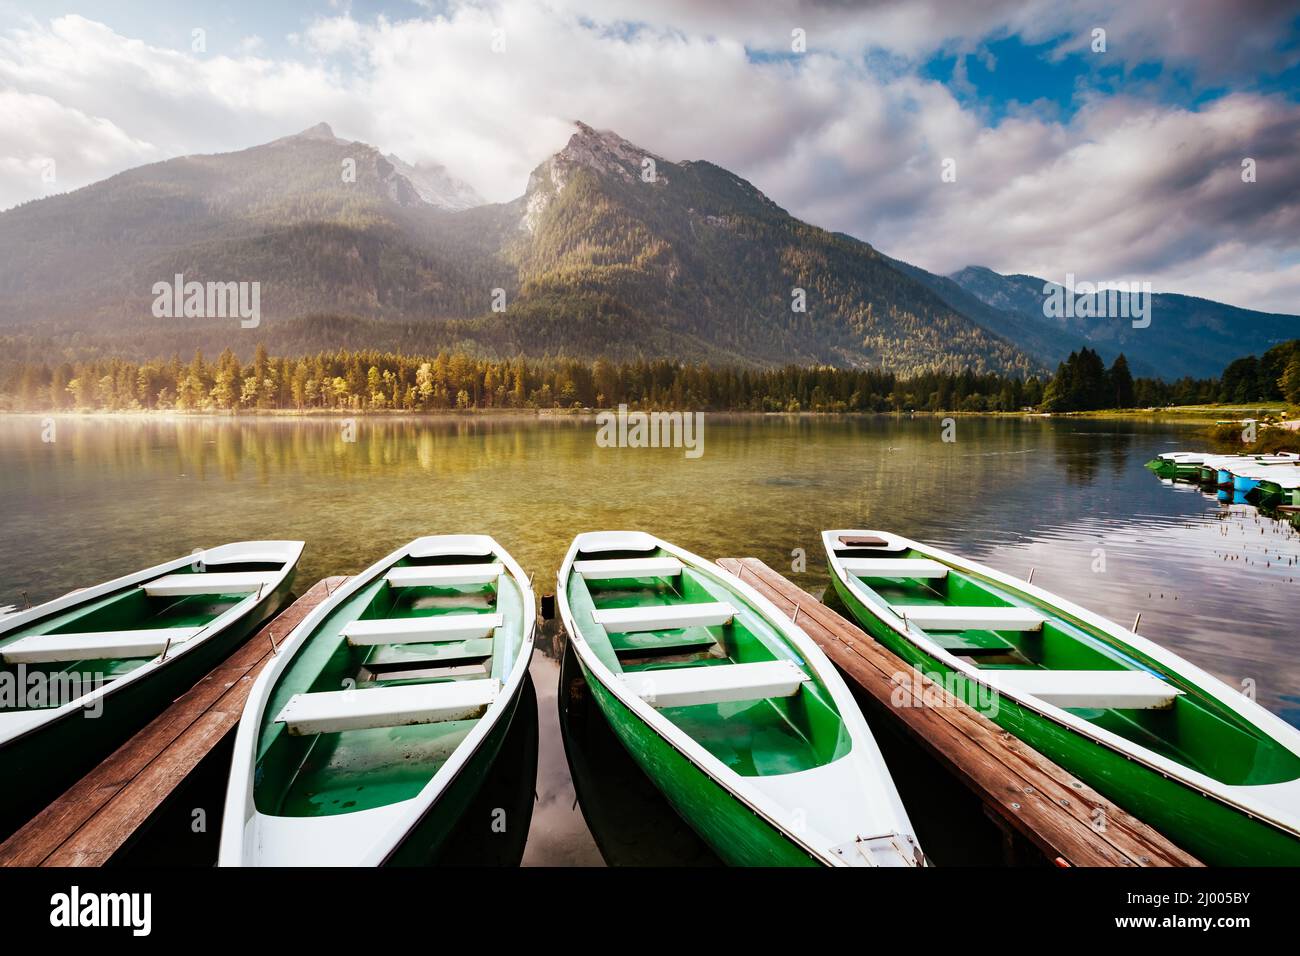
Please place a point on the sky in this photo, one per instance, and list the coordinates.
(1108, 157)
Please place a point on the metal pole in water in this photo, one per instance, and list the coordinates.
(1136, 621)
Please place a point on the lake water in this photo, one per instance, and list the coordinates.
(1215, 582)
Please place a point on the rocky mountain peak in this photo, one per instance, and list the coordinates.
(605, 152)
(319, 131)
(434, 185)
(602, 151)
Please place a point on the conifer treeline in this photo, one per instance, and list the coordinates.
(1082, 383)
(372, 380)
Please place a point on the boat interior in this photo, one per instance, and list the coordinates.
(106, 638)
(1020, 643)
(388, 684)
(707, 660)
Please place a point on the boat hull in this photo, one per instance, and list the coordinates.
(1217, 833)
(52, 757)
(738, 835)
(421, 844)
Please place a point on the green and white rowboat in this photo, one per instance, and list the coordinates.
(1286, 492)
(729, 707)
(1279, 484)
(81, 673)
(1218, 469)
(369, 733)
(1214, 771)
(1177, 464)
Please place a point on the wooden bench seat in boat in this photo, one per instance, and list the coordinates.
(328, 712)
(864, 541)
(390, 657)
(972, 643)
(622, 620)
(444, 575)
(1099, 690)
(628, 568)
(421, 630)
(209, 582)
(99, 645)
(452, 545)
(717, 684)
(648, 642)
(894, 567)
(942, 617)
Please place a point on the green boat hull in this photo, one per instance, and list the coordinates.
(736, 833)
(39, 766)
(1169, 469)
(1271, 493)
(421, 845)
(1218, 834)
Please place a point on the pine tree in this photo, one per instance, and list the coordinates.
(1290, 381)
(1121, 383)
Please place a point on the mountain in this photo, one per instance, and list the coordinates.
(611, 251)
(697, 262)
(1039, 339)
(435, 186)
(325, 225)
(1187, 335)
(596, 258)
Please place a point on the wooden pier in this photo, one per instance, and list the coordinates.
(1031, 799)
(102, 812)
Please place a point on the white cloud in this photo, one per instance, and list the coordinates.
(47, 147)
(1124, 187)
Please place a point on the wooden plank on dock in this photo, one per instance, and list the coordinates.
(99, 814)
(1019, 787)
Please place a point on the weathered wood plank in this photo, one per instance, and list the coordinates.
(99, 813)
(1038, 799)
(95, 842)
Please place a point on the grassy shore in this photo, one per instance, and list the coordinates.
(1207, 414)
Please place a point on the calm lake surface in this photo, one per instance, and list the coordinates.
(1215, 582)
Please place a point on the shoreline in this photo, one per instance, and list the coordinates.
(1183, 414)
